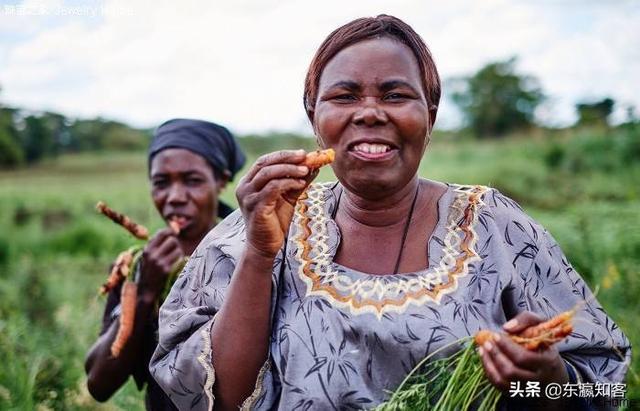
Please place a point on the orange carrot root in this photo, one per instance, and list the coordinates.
(546, 339)
(319, 158)
(483, 336)
(136, 230)
(539, 336)
(175, 226)
(550, 324)
(119, 272)
(127, 317)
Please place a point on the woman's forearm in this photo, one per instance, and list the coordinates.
(106, 373)
(240, 333)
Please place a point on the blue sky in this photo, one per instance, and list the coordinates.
(242, 62)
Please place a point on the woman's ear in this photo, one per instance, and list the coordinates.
(310, 114)
(433, 111)
(316, 133)
(222, 182)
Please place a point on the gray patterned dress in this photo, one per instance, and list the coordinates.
(342, 339)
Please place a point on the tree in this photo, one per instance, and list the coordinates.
(27, 137)
(496, 100)
(597, 113)
(11, 154)
(38, 140)
(101, 134)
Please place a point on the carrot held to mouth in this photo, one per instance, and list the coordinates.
(319, 158)
(175, 226)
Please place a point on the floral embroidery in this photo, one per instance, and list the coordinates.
(381, 294)
(250, 402)
(205, 360)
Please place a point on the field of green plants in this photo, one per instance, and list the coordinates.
(584, 186)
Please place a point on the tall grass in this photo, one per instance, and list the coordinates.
(54, 248)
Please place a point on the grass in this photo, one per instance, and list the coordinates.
(55, 249)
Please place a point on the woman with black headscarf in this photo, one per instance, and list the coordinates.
(190, 162)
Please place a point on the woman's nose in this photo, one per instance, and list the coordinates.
(370, 113)
(177, 194)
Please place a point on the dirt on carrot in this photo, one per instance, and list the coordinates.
(319, 158)
(137, 230)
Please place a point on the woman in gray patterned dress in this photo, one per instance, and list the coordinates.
(324, 296)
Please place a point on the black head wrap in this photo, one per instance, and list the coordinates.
(211, 141)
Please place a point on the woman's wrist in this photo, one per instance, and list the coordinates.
(559, 373)
(147, 300)
(257, 258)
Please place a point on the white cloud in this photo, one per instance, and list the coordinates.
(242, 63)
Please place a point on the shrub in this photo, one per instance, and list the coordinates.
(80, 238)
(591, 151)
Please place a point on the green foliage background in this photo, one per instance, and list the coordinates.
(496, 100)
(583, 185)
(27, 137)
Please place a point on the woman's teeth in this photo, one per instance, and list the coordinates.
(372, 148)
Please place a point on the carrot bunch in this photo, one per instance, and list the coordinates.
(458, 382)
(119, 271)
(123, 270)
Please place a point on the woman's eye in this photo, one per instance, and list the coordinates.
(159, 184)
(395, 96)
(194, 181)
(344, 97)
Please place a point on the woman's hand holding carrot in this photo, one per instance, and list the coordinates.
(158, 259)
(505, 361)
(267, 195)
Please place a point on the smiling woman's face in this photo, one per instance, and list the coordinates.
(184, 188)
(372, 110)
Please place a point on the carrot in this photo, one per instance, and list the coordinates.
(127, 316)
(550, 324)
(136, 230)
(175, 226)
(319, 158)
(119, 271)
(483, 336)
(546, 339)
(542, 335)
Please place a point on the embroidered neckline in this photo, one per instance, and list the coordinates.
(389, 293)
